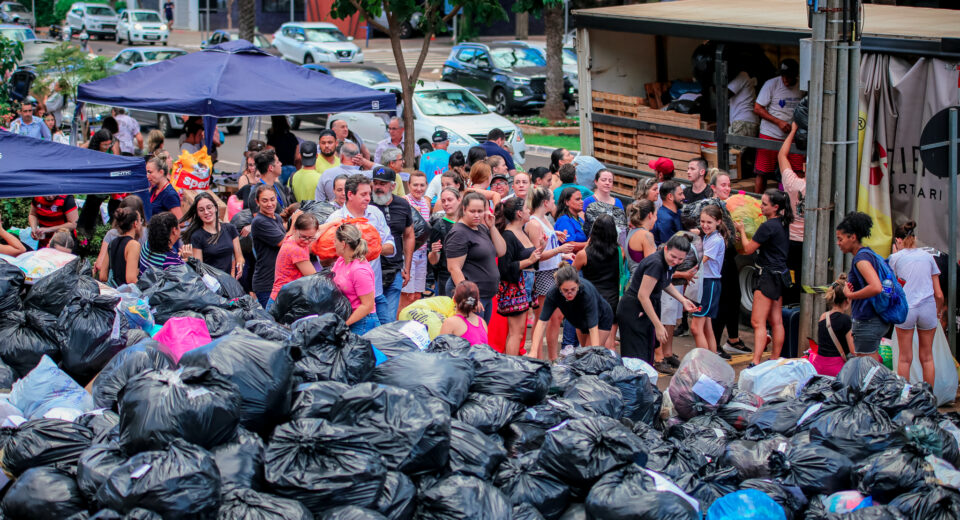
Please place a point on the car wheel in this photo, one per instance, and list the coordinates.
(406, 30)
(234, 130)
(500, 102)
(163, 123)
(307, 59)
(164, 44)
(747, 275)
(294, 122)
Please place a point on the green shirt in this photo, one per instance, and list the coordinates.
(583, 190)
(304, 183)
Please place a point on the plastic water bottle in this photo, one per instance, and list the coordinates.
(887, 286)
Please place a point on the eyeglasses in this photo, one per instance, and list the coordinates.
(308, 238)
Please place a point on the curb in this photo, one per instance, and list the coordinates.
(535, 149)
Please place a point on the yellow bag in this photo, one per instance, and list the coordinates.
(442, 304)
(746, 209)
(192, 171)
(430, 312)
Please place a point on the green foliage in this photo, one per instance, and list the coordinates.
(15, 213)
(72, 65)
(544, 122)
(90, 247)
(10, 53)
(534, 7)
(45, 13)
(476, 15)
(119, 5)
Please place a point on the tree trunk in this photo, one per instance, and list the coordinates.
(553, 25)
(522, 26)
(248, 18)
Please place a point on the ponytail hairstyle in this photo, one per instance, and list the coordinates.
(350, 235)
(506, 212)
(906, 232)
(124, 218)
(456, 178)
(639, 210)
(63, 238)
(834, 295)
(159, 160)
(782, 202)
(555, 157)
(536, 197)
(467, 297)
(717, 214)
(603, 238)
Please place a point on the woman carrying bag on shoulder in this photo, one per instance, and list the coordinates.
(834, 334)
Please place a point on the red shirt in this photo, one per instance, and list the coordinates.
(53, 213)
(289, 256)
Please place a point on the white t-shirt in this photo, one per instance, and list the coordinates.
(916, 268)
(796, 188)
(744, 89)
(779, 100)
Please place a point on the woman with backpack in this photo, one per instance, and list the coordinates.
(863, 283)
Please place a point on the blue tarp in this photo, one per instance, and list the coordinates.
(32, 167)
(233, 79)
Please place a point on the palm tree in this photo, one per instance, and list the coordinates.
(248, 18)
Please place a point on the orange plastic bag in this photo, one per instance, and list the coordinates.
(326, 249)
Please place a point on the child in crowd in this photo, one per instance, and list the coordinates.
(834, 335)
(714, 243)
(466, 321)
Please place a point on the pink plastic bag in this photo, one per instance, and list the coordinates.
(182, 335)
(234, 205)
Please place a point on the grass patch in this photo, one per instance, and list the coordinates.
(554, 141)
(544, 122)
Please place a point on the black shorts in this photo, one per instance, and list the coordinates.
(604, 318)
(769, 283)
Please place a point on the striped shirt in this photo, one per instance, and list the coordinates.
(423, 206)
(150, 259)
(52, 213)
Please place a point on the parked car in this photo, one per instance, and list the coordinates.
(439, 105)
(315, 42)
(17, 33)
(136, 57)
(142, 26)
(33, 51)
(98, 20)
(15, 12)
(172, 124)
(366, 75)
(568, 58)
(260, 41)
(510, 76)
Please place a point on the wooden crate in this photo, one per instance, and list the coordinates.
(617, 104)
(615, 145)
(624, 185)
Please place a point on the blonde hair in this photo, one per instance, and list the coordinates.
(480, 172)
(834, 295)
(154, 141)
(350, 235)
(159, 159)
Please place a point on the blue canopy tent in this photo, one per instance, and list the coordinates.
(33, 167)
(233, 79)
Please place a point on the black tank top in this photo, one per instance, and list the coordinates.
(604, 273)
(118, 261)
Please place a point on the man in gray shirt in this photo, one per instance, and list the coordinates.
(349, 153)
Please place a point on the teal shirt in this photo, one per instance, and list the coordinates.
(583, 191)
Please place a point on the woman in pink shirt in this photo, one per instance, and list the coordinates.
(465, 322)
(354, 277)
(795, 184)
(293, 260)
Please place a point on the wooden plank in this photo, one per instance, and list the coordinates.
(664, 141)
(674, 118)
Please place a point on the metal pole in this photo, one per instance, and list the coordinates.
(291, 10)
(840, 158)
(952, 270)
(723, 108)
(853, 127)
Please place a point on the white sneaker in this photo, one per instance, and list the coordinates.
(738, 348)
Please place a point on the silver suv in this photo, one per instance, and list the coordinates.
(96, 19)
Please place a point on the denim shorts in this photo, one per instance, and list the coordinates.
(867, 334)
(366, 324)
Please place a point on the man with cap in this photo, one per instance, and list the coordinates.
(436, 162)
(500, 180)
(28, 125)
(663, 168)
(304, 181)
(399, 217)
(778, 98)
(349, 157)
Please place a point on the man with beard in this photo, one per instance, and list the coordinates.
(668, 216)
(399, 216)
(328, 151)
(349, 155)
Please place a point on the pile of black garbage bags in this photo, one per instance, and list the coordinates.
(291, 416)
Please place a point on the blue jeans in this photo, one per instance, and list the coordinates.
(569, 335)
(270, 304)
(263, 298)
(867, 334)
(389, 301)
(366, 324)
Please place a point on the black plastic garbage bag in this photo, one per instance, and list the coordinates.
(240, 462)
(261, 370)
(109, 514)
(7, 376)
(818, 388)
(933, 438)
(426, 374)
(51, 293)
(394, 339)
(27, 337)
(522, 480)
(250, 309)
(738, 409)
(252, 505)
(242, 219)
(11, 283)
(314, 294)
(324, 465)
(517, 378)
(674, 460)
(709, 442)
(95, 466)
(702, 384)
(268, 330)
(576, 511)
(525, 512)
(472, 452)
(852, 426)
(180, 289)
(596, 396)
(634, 493)
(227, 285)
(221, 322)
(561, 377)
(590, 360)
(456, 497)
(891, 473)
(447, 342)
(488, 413)
(421, 228)
(351, 513)
(197, 405)
(43, 493)
(711, 486)
(929, 503)
(790, 498)
(103, 423)
(749, 458)
(779, 417)
(181, 481)
(398, 499)
(135, 336)
(44, 442)
(874, 512)
(814, 469)
(581, 450)
(318, 208)
(315, 400)
(146, 355)
(410, 434)
(325, 350)
(94, 331)
(641, 398)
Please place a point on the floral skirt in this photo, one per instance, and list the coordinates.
(512, 298)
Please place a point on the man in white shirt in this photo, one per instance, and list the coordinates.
(778, 98)
(395, 139)
(743, 95)
(129, 137)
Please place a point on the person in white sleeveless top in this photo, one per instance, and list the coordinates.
(541, 233)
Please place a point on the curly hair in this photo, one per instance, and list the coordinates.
(158, 234)
(856, 223)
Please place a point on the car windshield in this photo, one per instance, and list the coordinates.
(97, 10)
(18, 34)
(260, 42)
(146, 17)
(512, 57)
(161, 55)
(325, 35)
(366, 77)
(449, 103)
(14, 8)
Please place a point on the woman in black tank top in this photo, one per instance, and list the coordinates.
(599, 263)
(124, 258)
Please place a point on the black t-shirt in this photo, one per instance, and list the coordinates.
(509, 263)
(841, 324)
(774, 243)
(689, 197)
(439, 227)
(655, 266)
(480, 264)
(267, 234)
(399, 218)
(584, 311)
(286, 147)
(284, 197)
(220, 253)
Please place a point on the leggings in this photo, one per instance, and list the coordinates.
(729, 313)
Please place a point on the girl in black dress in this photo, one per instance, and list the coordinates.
(512, 301)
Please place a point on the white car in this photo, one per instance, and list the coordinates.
(142, 26)
(135, 57)
(96, 19)
(315, 42)
(15, 12)
(438, 105)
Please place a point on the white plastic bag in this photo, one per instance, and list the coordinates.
(946, 377)
(777, 377)
(47, 387)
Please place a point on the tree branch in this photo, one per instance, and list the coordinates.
(369, 19)
(450, 15)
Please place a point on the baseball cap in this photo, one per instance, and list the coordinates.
(440, 136)
(383, 173)
(789, 68)
(308, 153)
(499, 176)
(661, 165)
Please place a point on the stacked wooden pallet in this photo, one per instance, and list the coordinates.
(651, 145)
(617, 104)
(615, 145)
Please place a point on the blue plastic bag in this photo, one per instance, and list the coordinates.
(746, 504)
(47, 387)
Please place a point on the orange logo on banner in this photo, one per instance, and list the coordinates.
(192, 171)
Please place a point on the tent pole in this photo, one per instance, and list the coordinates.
(853, 136)
(953, 173)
